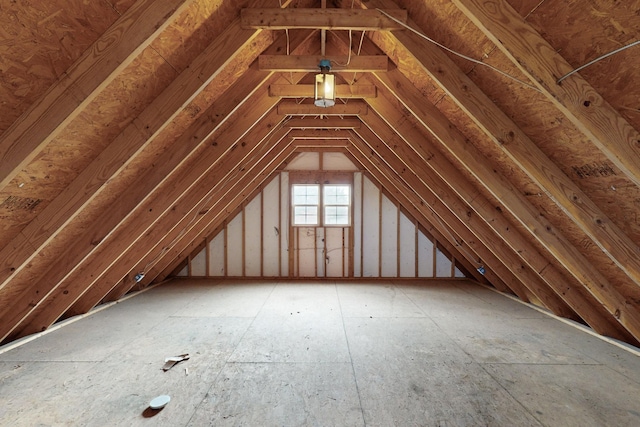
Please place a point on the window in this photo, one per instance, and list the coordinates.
(336, 201)
(306, 199)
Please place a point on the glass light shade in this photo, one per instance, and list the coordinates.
(325, 94)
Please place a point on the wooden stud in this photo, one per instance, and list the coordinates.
(262, 233)
(280, 224)
(380, 231)
(226, 249)
(417, 245)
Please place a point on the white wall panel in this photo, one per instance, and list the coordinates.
(357, 223)
(306, 251)
(443, 264)
(270, 229)
(370, 229)
(407, 250)
(252, 234)
(234, 246)
(425, 256)
(199, 264)
(305, 161)
(334, 257)
(459, 273)
(216, 255)
(284, 222)
(389, 248)
(184, 272)
(337, 162)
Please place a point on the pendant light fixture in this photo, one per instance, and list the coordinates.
(325, 93)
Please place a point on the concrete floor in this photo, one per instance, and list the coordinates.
(287, 354)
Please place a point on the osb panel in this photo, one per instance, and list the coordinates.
(582, 30)
(442, 21)
(40, 40)
(85, 137)
(558, 138)
(587, 247)
(121, 6)
(408, 67)
(166, 140)
(189, 34)
(525, 7)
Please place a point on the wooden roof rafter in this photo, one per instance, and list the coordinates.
(575, 97)
(140, 25)
(527, 156)
(130, 142)
(18, 316)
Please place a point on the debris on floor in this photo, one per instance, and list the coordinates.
(170, 362)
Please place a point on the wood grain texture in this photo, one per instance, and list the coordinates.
(97, 67)
(551, 238)
(487, 225)
(122, 152)
(574, 96)
(40, 41)
(328, 19)
(521, 150)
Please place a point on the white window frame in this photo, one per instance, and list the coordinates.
(321, 205)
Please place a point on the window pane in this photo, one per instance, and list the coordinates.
(336, 195)
(336, 215)
(305, 194)
(305, 215)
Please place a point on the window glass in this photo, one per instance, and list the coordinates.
(306, 199)
(305, 215)
(335, 209)
(336, 201)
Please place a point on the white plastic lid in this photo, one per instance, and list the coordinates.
(159, 402)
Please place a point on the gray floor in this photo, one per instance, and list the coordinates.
(285, 354)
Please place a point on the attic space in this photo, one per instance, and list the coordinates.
(435, 143)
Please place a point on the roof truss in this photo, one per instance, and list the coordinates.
(176, 186)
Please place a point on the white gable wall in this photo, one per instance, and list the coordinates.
(381, 242)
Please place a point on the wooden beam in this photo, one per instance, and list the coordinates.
(524, 153)
(310, 63)
(511, 199)
(28, 282)
(574, 96)
(455, 240)
(118, 155)
(319, 143)
(318, 19)
(307, 91)
(319, 134)
(83, 81)
(353, 108)
(473, 212)
(328, 123)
